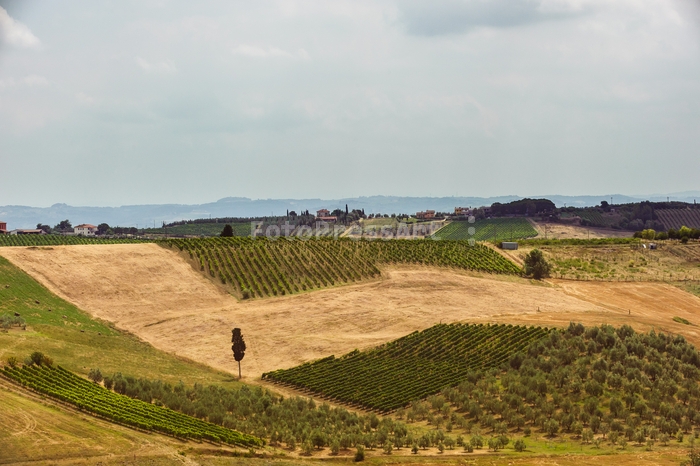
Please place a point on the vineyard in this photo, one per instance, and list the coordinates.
(201, 229)
(598, 219)
(491, 229)
(69, 388)
(262, 267)
(410, 368)
(60, 240)
(677, 218)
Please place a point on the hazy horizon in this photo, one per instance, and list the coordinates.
(168, 102)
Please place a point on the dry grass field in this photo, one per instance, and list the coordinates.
(672, 261)
(565, 231)
(153, 293)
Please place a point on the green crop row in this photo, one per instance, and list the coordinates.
(412, 367)
(260, 267)
(88, 396)
(60, 240)
(490, 229)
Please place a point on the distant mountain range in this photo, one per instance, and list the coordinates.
(154, 214)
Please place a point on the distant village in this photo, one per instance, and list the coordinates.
(324, 215)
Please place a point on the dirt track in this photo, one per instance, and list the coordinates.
(153, 293)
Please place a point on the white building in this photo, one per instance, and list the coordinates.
(85, 229)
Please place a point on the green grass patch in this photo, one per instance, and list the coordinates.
(80, 342)
(681, 320)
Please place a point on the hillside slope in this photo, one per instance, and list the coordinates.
(153, 293)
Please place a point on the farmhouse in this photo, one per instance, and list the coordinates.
(462, 211)
(428, 214)
(329, 219)
(85, 229)
(3, 228)
(26, 232)
(323, 213)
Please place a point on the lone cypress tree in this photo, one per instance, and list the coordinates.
(238, 347)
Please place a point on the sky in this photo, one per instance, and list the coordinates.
(110, 103)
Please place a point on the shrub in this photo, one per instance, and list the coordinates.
(519, 445)
(95, 375)
(307, 448)
(37, 358)
(360, 453)
(388, 448)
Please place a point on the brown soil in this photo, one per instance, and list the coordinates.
(564, 231)
(153, 293)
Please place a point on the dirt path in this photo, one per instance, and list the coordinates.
(153, 293)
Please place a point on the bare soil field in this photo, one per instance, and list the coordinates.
(153, 293)
(564, 231)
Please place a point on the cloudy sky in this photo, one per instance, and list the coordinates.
(156, 101)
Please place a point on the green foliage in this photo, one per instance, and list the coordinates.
(95, 375)
(201, 229)
(60, 240)
(67, 387)
(260, 267)
(681, 320)
(519, 445)
(227, 232)
(491, 229)
(261, 413)
(648, 234)
(411, 367)
(9, 321)
(693, 458)
(40, 359)
(650, 389)
(360, 453)
(536, 266)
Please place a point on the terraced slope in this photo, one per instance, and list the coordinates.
(260, 267)
(491, 229)
(410, 368)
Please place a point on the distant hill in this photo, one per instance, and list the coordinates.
(155, 214)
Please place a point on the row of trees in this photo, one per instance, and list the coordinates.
(65, 226)
(596, 383)
(683, 233)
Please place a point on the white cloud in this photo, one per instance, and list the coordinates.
(32, 80)
(85, 99)
(268, 52)
(5, 83)
(15, 33)
(35, 81)
(159, 67)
